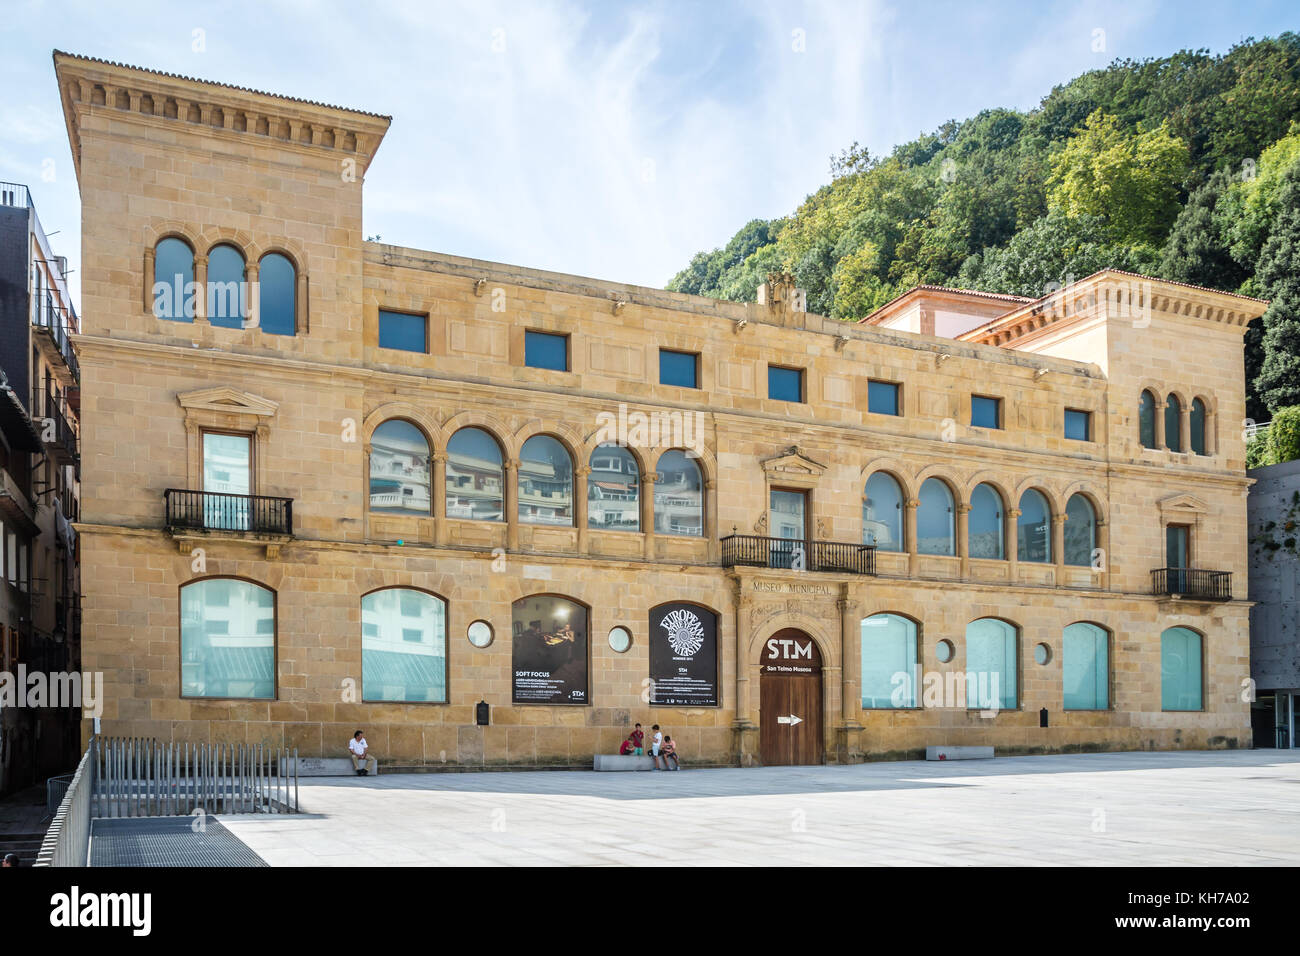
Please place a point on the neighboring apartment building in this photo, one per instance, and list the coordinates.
(39, 476)
(1274, 512)
(494, 515)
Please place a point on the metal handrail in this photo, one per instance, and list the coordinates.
(215, 511)
(1193, 583)
(760, 551)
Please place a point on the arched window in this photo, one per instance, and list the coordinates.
(399, 469)
(1196, 422)
(226, 292)
(277, 295)
(679, 496)
(173, 276)
(475, 484)
(1147, 420)
(403, 646)
(889, 661)
(935, 532)
(1080, 531)
(986, 525)
(1034, 530)
(991, 665)
(548, 650)
(882, 513)
(1085, 667)
(614, 489)
(545, 482)
(1173, 423)
(227, 639)
(1180, 669)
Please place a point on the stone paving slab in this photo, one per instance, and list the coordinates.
(1230, 808)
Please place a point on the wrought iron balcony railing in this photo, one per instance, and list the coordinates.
(1193, 583)
(210, 511)
(757, 551)
(49, 318)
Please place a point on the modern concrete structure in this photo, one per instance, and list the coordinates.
(1274, 514)
(495, 515)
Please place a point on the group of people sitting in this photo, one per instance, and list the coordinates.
(662, 747)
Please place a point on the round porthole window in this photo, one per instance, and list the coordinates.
(1042, 653)
(943, 650)
(480, 633)
(620, 639)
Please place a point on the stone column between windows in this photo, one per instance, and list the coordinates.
(1102, 576)
(648, 514)
(438, 491)
(1058, 545)
(253, 292)
(963, 538)
(1013, 544)
(851, 659)
(711, 519)
(149, 266)
(580, 476)
(201, 283)
(909, 535)
(510, 468)
(1185, 427)
(1159, 424)
(742, 655)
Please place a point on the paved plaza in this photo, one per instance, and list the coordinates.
(1148, 809)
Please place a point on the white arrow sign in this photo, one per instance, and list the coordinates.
(791, 720)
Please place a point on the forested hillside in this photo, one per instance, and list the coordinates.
(1185, 167)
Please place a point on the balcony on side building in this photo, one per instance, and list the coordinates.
(1195, 583)
(205, 512)
(835, 557)
(52, 324)
(57, 433)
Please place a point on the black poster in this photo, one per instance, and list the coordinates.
(683, 656)
(548, 651)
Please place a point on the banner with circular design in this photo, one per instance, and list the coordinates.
(683, 656)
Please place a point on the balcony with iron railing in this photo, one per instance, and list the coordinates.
(16, 195)
(208, 512)
(55, 322)
(1194, 583)
(836, 557)
(59, 436)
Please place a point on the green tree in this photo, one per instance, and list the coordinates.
(1198, 248)
(1132, 182)
(1278, 279)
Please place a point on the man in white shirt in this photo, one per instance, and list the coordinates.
(361, 754)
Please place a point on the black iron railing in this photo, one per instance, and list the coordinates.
(1193, 583)
(55, 321)
(56, 431)
(757, 551)
(210, 511)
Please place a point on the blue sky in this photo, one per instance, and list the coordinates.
(609, 139)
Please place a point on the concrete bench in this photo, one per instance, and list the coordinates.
(958, 753)
(621, 762)
(325, 767)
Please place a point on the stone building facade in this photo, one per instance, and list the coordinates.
(402, 485)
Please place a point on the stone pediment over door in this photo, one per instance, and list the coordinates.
(793, 468)
(223, 408)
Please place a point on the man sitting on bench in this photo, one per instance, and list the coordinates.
(361, 754)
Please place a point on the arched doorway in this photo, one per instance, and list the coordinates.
(790, 699)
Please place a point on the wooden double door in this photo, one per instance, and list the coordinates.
(790, 700)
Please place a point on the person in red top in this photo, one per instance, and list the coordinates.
(627, 748)
(638, 738)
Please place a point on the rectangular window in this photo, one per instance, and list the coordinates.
(679, 368)
(985, 412)
(546, 350)
(1078, 425)
(404, 331)
(882, 398)
(227, 481)
(785, 384)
